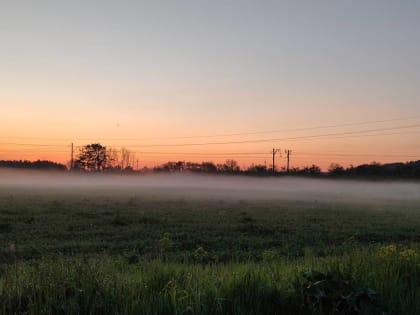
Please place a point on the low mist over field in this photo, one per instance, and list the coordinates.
(207, 186)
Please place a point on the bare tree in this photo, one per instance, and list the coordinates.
(230, 166)
(113, 158)
(125, 158)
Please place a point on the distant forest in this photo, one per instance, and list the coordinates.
(35, 165)
(372, 170)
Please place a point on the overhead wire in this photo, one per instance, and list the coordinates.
(361, 132)
(54, 148)
(246, 133)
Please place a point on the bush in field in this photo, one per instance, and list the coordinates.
(330, 294)
(201, 255)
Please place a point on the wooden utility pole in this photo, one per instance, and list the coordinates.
(288, 152)
(71, 157)
(275, 151)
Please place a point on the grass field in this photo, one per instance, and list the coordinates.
(73, 251)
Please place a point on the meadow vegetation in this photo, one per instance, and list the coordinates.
(83, 252)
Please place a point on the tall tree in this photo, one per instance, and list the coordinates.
(92, 157)
(125, 158)
(113, 158)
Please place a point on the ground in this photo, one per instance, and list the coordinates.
(238, 230)
(85, 252)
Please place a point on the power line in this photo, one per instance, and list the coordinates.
(49, 148)
(227, 134)
(274, 131)
(279, 139)
(227, 154)
(352, 159)
(33, 144)
(356, 155)
(202, 153)
(222, 157)
(33, 151)
(362, 136)
(309, 138)
(266, 153)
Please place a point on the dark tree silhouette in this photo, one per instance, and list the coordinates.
(314, 169)
(336, 169)
(257, 169)
(36, 165)
(230, 166)
(208, 167)
(92, 157)
(309, 170)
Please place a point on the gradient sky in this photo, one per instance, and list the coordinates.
(122, 71)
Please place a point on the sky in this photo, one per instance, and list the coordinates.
(333, 81)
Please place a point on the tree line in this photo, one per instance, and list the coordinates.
(35, 165)
(98, 158)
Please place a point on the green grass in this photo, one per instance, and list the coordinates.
(96, 253)
(111, 285)
(42, 225)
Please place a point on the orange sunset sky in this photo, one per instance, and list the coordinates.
(212, 80)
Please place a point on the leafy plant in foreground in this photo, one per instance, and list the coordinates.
(329, 294)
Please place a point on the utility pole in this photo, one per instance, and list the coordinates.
(71, 157)
(275, 151)
(288, 152)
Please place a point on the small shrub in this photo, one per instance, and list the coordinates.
(330, 294)
(201, 255)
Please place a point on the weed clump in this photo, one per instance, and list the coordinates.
(331, 294)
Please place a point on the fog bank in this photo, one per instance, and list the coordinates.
(207, 186)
